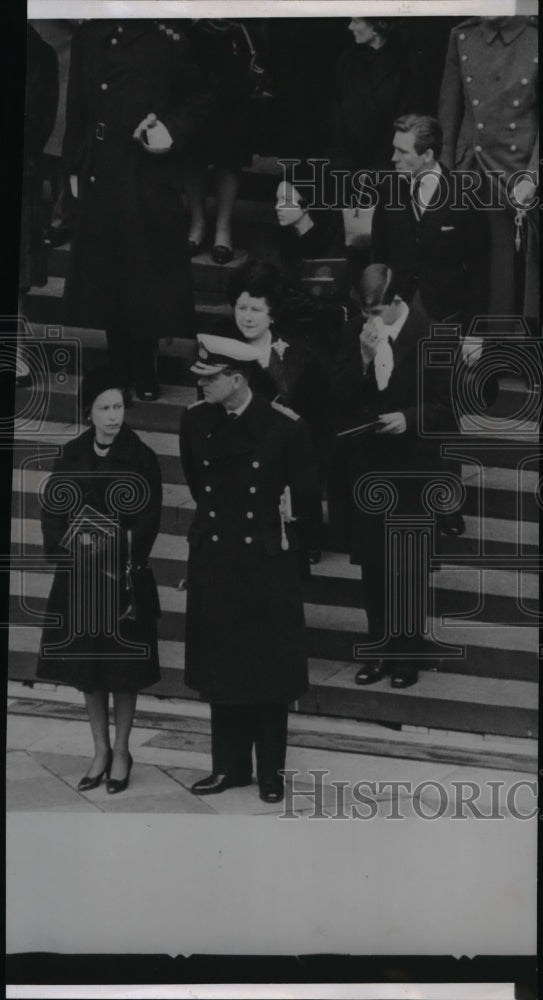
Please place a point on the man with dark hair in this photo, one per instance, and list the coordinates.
(375, 385)
(437, 245)
(250, 467)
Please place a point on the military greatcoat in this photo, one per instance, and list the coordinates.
(129, 263)
(245, 633)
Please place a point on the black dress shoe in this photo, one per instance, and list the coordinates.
(222, 254)
(116, 785)
(87, 783)
(216, 783)
(452, 524)
(371, 672)
(315, 556)
(195, 248)
(404, 677)
(272, 790)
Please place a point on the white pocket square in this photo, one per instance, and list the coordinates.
(447, 229)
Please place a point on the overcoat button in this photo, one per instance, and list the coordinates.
(512, 126)
(256, 465)
(214, 538)
(513, 148)
(113, 41)
(478, 149)
(463, 58)
(212, 513)
(207, 489)
(250, 514)
(120, 29)
(103, 86)
(476, 103)
(524, 81)
(248, 540)
(516, 104)
(480, 125)
(206, 461)
(252, 489)
(92, 179)
(469, 79)
(462, 37)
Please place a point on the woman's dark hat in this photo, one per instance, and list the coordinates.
(94, 383)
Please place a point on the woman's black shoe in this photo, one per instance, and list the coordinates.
(315, 556)
(148, 392)
(404, 677)
(370, 672)
(452, 524)
(116, 785)
(86, 783)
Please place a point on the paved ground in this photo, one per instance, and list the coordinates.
(46, 757)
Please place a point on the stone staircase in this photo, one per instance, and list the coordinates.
(484, 584)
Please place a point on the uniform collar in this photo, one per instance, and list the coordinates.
(510, 30)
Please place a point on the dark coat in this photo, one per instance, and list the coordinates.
(41, 101)
(373, 87)
(358, 400)
(79, 470)
(129, 265)
(245, 634)
(443, 256)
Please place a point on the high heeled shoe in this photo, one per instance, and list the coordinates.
(87, 784)
(116, 785)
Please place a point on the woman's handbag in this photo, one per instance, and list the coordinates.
(140, 593)
(357, 226)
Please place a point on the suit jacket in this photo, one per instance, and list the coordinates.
(443, 256)
(358, 400)
(488, 104)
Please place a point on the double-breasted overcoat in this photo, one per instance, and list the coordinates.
(125, 487)
(245, 634)
(129, 265)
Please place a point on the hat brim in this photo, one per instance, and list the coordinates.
(200, 368)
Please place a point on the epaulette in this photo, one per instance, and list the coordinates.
(286, 411)
(197, 403)
(470, 22)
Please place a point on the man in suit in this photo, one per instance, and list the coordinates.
(489, 110)
(251, 469)
(376, 381)
(436, 242)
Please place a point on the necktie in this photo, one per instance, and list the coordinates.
(415, 199)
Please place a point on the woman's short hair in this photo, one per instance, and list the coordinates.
(384, 26)
(261, 280)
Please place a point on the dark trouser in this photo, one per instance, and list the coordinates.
(375, 583)
(234, 730)
(133, 360)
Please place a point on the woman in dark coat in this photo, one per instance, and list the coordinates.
(287, 371)
(222, 50)
(101, 511)
(136, 102)
(374, 84)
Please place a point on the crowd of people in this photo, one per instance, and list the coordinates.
(310, 388)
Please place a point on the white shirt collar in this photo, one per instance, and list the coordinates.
(243, 407)
(393, 329)
(429, 182)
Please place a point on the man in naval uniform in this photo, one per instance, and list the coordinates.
(488, 108)
(251, 468)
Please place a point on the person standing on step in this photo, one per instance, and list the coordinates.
(221, 48)
(250, 467)
(375, 383)
(437, 247)
(101, 511)
(136, 102)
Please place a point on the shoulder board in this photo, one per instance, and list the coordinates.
(285, 411)
(470, 22)
(197, 403)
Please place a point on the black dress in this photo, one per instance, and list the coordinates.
(89, 600)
